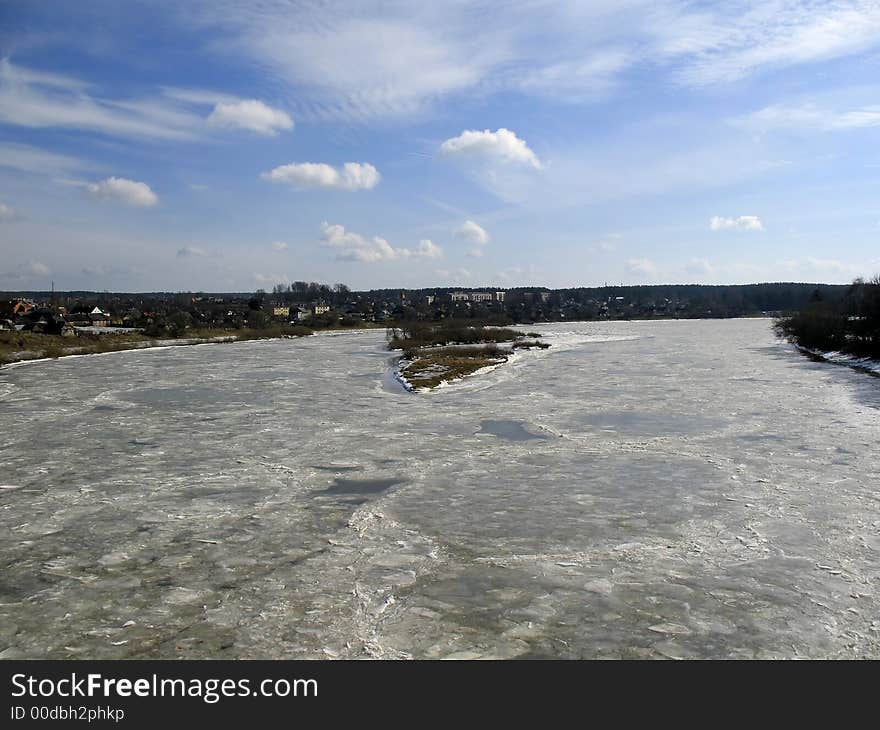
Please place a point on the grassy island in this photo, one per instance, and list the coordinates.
(434, 353)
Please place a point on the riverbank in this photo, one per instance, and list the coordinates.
(16, 347)
(865, 364)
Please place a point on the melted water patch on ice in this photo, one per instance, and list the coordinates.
(508, 429)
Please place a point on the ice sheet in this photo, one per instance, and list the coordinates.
(700, 490)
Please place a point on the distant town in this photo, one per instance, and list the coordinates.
(318, 306)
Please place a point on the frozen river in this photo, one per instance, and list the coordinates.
(641, 489)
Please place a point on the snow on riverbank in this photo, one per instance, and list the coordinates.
(841, 358)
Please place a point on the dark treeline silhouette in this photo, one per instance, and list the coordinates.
(850, 324)
(319, 305)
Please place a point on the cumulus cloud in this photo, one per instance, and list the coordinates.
(303, 175)
(128, 192)
(7, 213)
(472, 232)
(352, 246)
(279, 245)
(427, 249)
(643, 268)
(38, 268)
(742, 223)
(500, 146)
(252, 115)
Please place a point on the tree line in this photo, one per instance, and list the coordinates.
(850, 324)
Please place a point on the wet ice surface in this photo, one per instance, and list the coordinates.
(512, 430)
(696, 490)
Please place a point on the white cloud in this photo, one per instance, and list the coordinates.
(456, 275)
(38, 268)
(252, 115)
(699, 267)
(428, 249)
(832, 267)
(501, 145)
(37, 100)
(606, 244)
(732, 41)
(579, 79)
(7, 213)
(818, 268)
(35, 160)
(279, 245)
(352, 246)
(303, 175)
(641, 267)
(809, 117)
(356, 62)
(475, 253)
(742, 223)
(514, 273)
(269, 280)
(378, 60)
(129, 192)
(188, 251)
(472, 232)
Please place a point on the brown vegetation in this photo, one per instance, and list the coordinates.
(18, 346)
(433, 366)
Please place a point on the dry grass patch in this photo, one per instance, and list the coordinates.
(431, 367)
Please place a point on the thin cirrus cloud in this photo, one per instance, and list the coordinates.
(119, 190)
(808, 116)
(26, 158)
(352, 246)
(741, 223)
(736, 40)
(41, 100)
(391, 59)
(501, 145)
(318, 175)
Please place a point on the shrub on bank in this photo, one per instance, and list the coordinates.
(851, 325)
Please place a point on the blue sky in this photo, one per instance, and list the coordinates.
(229, 146)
